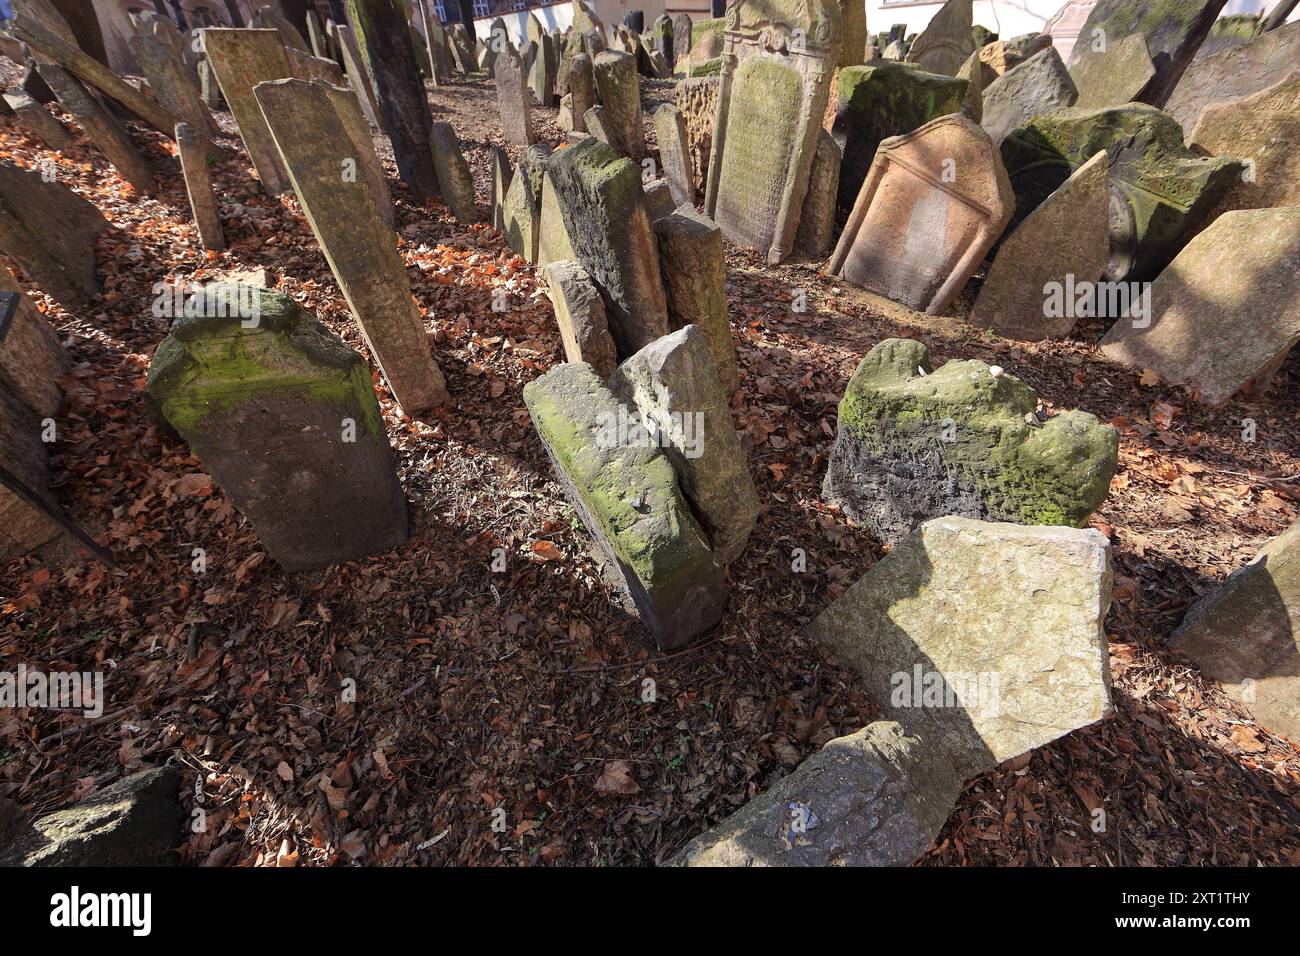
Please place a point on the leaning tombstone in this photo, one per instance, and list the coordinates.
(580, 315)
(513, 99)
(1114, 77)
(946, 41)
(32, 359)
(246, 370)
(454, 179)
(619, 88)
(41, 120)
(348, 109)
(1038, 85)
(670, 129)
(360, 248)
(101, 127)
(817, 223)
(772, 96)
(198, 186)
(27, 502)
(172, 84)
(501, 176)
(553, 242)
(582, 89)
(521, 212)
(358, 76)
(1240, 71)
(946, 181)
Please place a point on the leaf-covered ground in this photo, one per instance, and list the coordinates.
(519, 696)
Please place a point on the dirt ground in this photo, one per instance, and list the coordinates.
(519, 696)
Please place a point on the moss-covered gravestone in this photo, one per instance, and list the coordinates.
(914, 444)
(875, 102)
(283, 414)
(1114, 77)
(626, 493)
(1240, 71)
(1168, 192)
(776, 65)
(619, 87)
(241, 59)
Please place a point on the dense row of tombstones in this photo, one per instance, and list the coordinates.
(982, 628)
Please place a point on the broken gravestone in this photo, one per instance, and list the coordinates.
(1242, 633)
(1217, 321)
(1115, 76)
(946, 41)
(39, 119)
(1240, 71)
(619, 88)
(674, 383)
(914, 443)
(283, 414)
(580, 314)
(776, 66)
(1062, 244)
(626, 494)
(521, 208)
(1038, 85)
(945, 187)
(1167, 191)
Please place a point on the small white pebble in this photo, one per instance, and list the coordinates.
(995, 370)
(919, 370)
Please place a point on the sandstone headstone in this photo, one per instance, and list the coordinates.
(553, 243)
(1115, 77)
(944, 185)
(946, 42)
(32, 359)
(358, 76)
(817, 223)
(283, 415)
(1000, 56)
(241, 59)
(198, 187)
(914, 443)
(1165, 193)
(454, 179)
(1065, 25)
(513, 99)
(172, 83)
(972, 72)
(985, 640)
(269, 18)
(1240, 71)
(626, 494)
(209, 88)
(681, 37)
(697, 101)
(876, 102)
(1243, 634)
(348, 110)
(542, 75)
(101, 127)
(27, 521)
(1065, 242)
(673, 382)
(770, 104)
(600, 196)
(315, 68)
(41, 121)
(1174, 31)
(360, 248)
(1038, 85)
(670, 129)
(1217, 320)
(521, 212)
(619, 89)
(580, 314)
(582, 90)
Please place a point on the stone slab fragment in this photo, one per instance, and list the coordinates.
(1240, 71)
(1038, 85)
(1113, 77)
(580, 314)
(32, 359)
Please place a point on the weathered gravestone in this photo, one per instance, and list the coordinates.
(358, 77)
(1065, 25)
(41, 120)
(315, 68)
(241, 59)
(626, 493)
(1243, 634)
(681, 37)
(284, 416)
(1164, 192)
(462, 50)
(945, 187)
(521, 209)
(693, 265)
(1220, 319)
(972, 105)
(1038, 85)
(876, 102)
(173, 84)
(998, 57)
(385, 43)
(26, 522)
(582, 90)
(600, 196)
(348, 110)
(946, 41)
(1262, 129)
(776, 66)
(914, 444)
(1264, 61)
(101, 127)
(501, 176)
(454, 179)
(817, 223)
(619, 88)
(580, 314)
(513, 99)
(360, 248)
(542, 75)
(32, 358)
(50, 232)
(853, 40)
(670, 129)
(1061, 245)
(673, 382)
(269, 18)
(1114, 77)
(198, 187)
(1174, 31)
(697, 101)
(209, 88)
(553, 242)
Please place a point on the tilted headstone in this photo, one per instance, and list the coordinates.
(774, 87)
(32, 359)
(360, 248)
(1062, 245)
(462, 50)
(582, 90)
(670, 129)
(521, 211)
(580, 314)
(661, 35)
(241, 59)
(1116, 76)
(692, 262)
(50, 232)
(817, 223)
(209, 88)
(41, 120)
(1065, 25)
(501, 176)
(174, 86)
(283, 414)
(306, 67)
(1264, 61)
(268, 17)
(1218, 320)
(944, 185)
(1000, 56)
(454, 179)
(198, 186)
(673, 382)
(101, 127)
(348, 109)
(513, 99)
(1242, 633)
(600, 196)
(1263, 130)
(619, 89)
(1165, 193)
(34, 85)
(681, 37)
(541, 77)
(594, 120)
(972, 104)
(876, 102)
(358, 76)
(914, 443)
(315, 36)
(1038, 85)
(946, 41)
(1174, 31)
(625, 492)
(553, 242)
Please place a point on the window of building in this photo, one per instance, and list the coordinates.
(481, 8)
